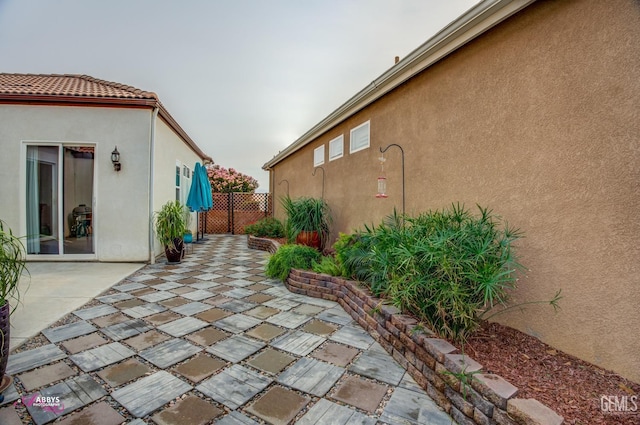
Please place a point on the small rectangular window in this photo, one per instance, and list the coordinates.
(359, 138)
(318, 156)
(336, 148)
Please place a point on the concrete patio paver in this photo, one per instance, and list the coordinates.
(212, 339)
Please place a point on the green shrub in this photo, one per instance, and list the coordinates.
(290, 256)
(268, 227)
(448, 268)
(328, 265)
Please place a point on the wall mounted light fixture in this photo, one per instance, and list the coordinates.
(115, 159)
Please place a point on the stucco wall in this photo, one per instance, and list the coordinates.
(168, 149)
(120, 213)
(538, 119)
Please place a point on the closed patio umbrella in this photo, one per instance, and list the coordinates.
(200, 199)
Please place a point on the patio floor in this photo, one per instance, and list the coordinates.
(211, 340)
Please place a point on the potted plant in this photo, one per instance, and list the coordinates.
(170, 227)
(12, 268)
(308, 220)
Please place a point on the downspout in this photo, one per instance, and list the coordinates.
(152, 148)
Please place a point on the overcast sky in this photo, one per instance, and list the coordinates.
(244, 78)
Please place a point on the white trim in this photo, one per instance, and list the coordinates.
(473, 23)
(318, 156)
(338, 141)
(358, 130)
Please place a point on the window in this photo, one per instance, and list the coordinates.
(318, 156)
(183, 182)
(336, 148)
(177, 181)
(359, 138)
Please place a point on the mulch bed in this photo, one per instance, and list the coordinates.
(564, 383)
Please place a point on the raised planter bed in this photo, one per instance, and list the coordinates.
(432, 362)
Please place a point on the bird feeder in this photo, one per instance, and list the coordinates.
(382, 180)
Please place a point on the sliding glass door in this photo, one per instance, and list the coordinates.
(59, 199)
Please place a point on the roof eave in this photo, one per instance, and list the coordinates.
(19, 98)
(477, 20)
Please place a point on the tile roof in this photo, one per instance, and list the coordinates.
(68, 85)
(83, 90)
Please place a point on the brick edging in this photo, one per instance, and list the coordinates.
(490, 399)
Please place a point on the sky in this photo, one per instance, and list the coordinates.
(243, 78)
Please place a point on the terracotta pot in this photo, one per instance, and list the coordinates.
(311, 239)
(4, 338)
(174, 255)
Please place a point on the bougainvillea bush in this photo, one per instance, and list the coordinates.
(225, 180)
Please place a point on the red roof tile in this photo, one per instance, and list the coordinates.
(68, 85)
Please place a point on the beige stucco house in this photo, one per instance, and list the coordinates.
(531, 108)
(58, 184)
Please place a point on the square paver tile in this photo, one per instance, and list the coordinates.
(154, 297)
(114, 298)
(234, 418)
(123, 305)
(356, 337)
(169, 352)
(245, 382)
(213, 314)
(319, 327)
(149, 393)
(31, 359)
(298, 342)
(278, 406)
(207, 336)
(414, 408)
(192, 308)
(259, 298)
(288, 319)
(130, 286)
(265, 332)
(272, 361)
(97, 311)
(183, 326)
(73, 393)
(198, 295)
(378, 365)
(110, 320)
(124, 372)
(162, 318)
(238, 293)
(174, 302)
(182, 290)
(359, 392)
(9, 416)
(236, 348)
(167, 286)
(338, 354)
(311, 376)
(69, 331)
(199, 367)
(237, 306)
(45, 375)
(281, 304)
(237, 323)
(335, 315)
(83, 343)
(126, 329)
(100, 413)
(191, 410)
(327, 412)
(99, 357)
(309, 310)
(258, 287)
(145, 340)
(144, 310)
(262, 312)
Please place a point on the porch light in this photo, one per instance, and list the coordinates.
(115, 159)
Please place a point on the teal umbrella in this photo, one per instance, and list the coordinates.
(200, 199)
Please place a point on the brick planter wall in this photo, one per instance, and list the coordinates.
(429, 360)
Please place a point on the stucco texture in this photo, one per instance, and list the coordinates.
(537, 119)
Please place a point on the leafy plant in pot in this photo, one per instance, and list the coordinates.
(308, 220)
(170, 227)
(12, 268)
